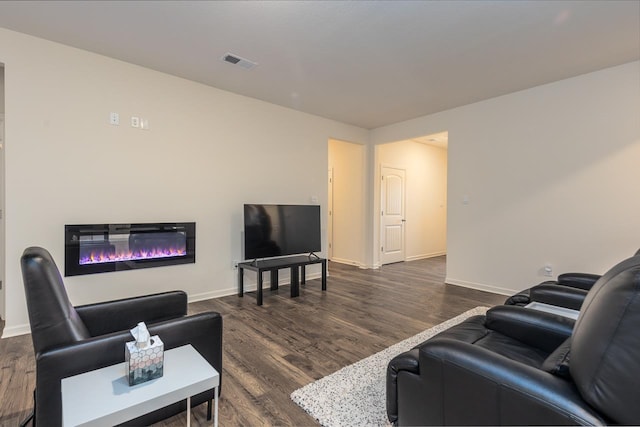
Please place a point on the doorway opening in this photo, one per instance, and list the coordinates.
(346, 202)
(411, 194)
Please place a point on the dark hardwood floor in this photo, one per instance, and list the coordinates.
(272, 350)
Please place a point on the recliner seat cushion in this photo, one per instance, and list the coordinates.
(474, 331)
(558, 362)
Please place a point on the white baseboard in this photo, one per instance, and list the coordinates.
(348, 262)
(480, 286)
(213, 294)
(424, 256)
(14, 331)
(411, 258)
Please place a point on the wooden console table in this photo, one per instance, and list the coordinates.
(273, 265)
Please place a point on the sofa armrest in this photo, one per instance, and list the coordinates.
(502, 391)
(538, 329)
(563, 296)
(522, 298)
(404, 362)
(202, 331)
(121, 315)
(578, 280)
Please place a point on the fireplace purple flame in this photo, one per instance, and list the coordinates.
(101, 257)
(98, 248)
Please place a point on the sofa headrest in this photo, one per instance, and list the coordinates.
(53, 319)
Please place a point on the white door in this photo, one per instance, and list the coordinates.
(330, 219)
(392, 215)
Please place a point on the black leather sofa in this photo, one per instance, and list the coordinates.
(518, 366)
(70, 340)
(570, 290)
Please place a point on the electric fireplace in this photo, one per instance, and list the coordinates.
(100, 248)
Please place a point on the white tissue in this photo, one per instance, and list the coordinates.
(141, 335)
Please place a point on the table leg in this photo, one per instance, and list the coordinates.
(189, 411)
(274, 279)
(303, 272)
(215, 413)
(324, 275)
(259, 293)
(240, 281)
(295, 282)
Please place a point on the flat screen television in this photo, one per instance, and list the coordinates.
(280, 230)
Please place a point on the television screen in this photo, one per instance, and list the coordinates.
(279, 230)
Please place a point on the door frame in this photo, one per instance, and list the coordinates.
(330, 214)
(3, 282)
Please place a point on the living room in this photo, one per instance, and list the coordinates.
(539, 175)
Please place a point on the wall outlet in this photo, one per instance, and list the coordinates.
(548, 270)
(135, 122)
(114, 119)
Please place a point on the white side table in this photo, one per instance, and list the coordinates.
(104, 398)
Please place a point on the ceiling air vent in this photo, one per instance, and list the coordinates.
(238, 60)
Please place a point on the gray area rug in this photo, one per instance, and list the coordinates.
(355, 395)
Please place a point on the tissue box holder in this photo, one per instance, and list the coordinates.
(144, 364)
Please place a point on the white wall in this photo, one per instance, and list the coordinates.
(348, 162)
(207, 153)
(1, 88)
(426, 195)
(2, 276)
(551, 175)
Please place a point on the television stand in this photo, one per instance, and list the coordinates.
(295, 263)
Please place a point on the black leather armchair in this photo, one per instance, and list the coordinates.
(518, 366)
(570, 290)
(71, 340)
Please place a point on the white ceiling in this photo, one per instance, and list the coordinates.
(368, 63)
(440, 140)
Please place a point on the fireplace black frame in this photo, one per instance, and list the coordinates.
(73, 234)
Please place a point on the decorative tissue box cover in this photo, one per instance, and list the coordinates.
(144, 364)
